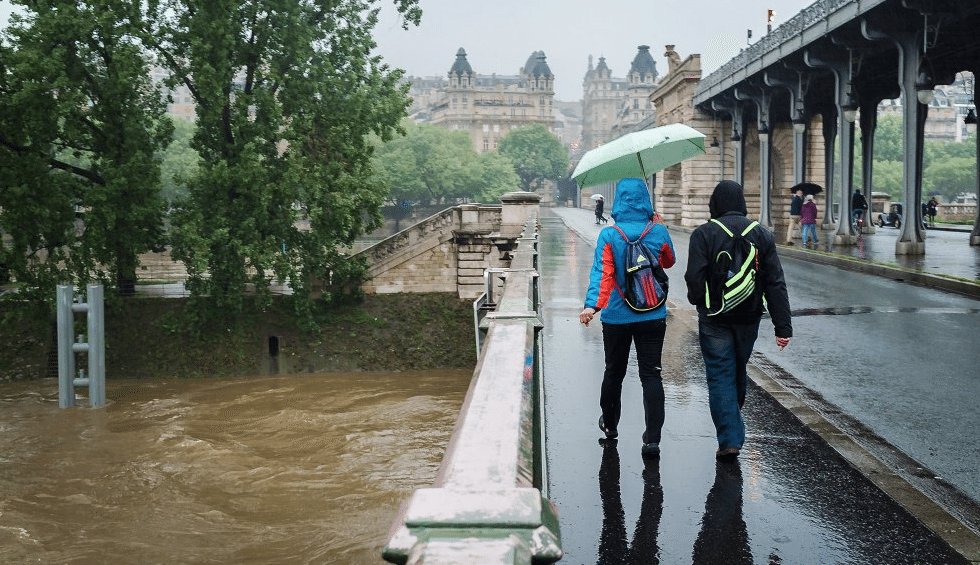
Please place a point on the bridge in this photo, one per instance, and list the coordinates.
(839, 467)
(775, 111)
(525, 481)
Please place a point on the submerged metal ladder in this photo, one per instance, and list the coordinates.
(94, 347)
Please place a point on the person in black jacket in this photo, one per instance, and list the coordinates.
(727, 339)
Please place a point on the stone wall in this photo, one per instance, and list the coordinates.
(450, 251)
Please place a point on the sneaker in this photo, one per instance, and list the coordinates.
(727, 454)
(650, 450)
(610, 433)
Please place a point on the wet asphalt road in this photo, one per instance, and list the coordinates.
(790, 498)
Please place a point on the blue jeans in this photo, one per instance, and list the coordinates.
(812, 230)
(726, 349)
(648, 337)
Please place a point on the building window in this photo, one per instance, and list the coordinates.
(486, 128)
(496, 128)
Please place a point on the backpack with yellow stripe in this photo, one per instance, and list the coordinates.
(732, 272)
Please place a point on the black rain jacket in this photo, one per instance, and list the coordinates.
(727, 205)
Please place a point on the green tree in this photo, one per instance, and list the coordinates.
(433, 164)
(180, 162)
(286, 95)
(536, 153)
(888, 178)
(950, 177)
(888, 139)
(498, 177)
(80, 130)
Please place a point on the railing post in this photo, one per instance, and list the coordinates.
(94, 309)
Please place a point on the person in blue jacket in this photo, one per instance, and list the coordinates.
(621, 326)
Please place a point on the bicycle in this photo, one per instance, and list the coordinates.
(858, 221)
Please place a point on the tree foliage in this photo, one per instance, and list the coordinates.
(430, 164)
(949, 167)
(286, 95)
(80, 131)
(180, 162)
(536, 153)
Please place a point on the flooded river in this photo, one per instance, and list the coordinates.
(286, 469)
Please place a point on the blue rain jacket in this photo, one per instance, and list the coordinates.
(631, 210)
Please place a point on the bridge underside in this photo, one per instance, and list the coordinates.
(833, 61)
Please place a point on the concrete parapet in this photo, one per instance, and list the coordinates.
(517, 207)
(489, 503)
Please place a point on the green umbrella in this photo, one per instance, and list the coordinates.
(639, 154)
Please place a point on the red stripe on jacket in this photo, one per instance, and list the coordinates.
(666, 258)
(608, 282)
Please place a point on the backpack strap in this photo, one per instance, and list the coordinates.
(729, 232)
(646, 230)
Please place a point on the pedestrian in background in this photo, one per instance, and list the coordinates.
(621, 326)
(727, 339)
(599, 207)
(932, 208)
(808, 218)
(859, 205)
(794, 216)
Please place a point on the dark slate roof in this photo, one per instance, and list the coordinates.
(461, 66)
(643, 63)
(536, 66)
(602, 66)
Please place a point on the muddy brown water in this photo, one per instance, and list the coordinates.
(286, 469)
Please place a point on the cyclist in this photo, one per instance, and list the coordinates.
(859, 205)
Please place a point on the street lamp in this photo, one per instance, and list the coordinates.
(924, 83)
(799, 125)
(850, 107)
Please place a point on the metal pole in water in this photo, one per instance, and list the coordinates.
(66, 357)
(96, 345)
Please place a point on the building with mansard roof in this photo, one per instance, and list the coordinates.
(613, 106)
(487, 106)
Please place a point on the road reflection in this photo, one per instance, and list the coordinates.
(614, 547)
(724, 538)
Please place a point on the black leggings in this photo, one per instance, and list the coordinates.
(648, 337)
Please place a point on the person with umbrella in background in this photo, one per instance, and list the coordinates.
(599, 207)
(622, 327)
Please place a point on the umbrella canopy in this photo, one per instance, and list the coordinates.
(596, 196)
(807, 188)
(639, 154)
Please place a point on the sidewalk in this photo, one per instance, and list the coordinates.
(794, 453)
(950, 262)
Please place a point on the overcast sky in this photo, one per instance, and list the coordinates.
(499, 35)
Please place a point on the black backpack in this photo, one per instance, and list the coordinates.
(732, 272)
(646, 282)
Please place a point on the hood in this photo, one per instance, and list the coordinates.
(727, 197)
(632, 202)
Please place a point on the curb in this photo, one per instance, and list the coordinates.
(899, 274)
(897, 475)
